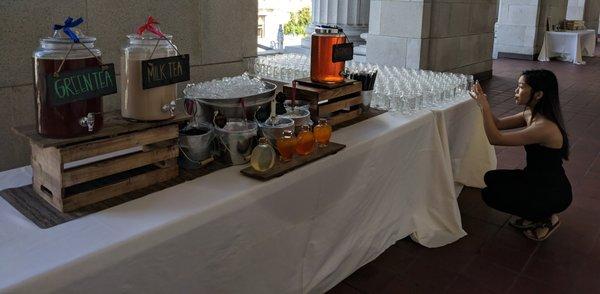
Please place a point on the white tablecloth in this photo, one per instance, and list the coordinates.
(570, 45)
(463, 137)
(303, 232)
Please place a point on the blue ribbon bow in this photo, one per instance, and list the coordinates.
(70, 23)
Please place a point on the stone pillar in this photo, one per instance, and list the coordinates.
(350, 15)
(442, 35)
(591, 14)
(522, 24)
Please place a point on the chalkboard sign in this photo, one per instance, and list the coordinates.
(81, 84)
(343, 52)
(165, 71)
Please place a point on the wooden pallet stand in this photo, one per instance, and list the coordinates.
(338, 103)
(70, 188)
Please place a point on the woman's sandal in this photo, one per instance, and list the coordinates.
(541, 231)
(521, 223)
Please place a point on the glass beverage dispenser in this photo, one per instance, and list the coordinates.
(323, 69)
(146, 104)
(57, 54)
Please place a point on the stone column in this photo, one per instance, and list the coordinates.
(351, 15)
(441, 35)
(591, 15)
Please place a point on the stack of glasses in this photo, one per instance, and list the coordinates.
(280, 67)
(396, 89)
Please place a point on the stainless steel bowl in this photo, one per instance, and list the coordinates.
(232, 107)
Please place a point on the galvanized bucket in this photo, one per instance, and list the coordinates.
(238, 138)
(196, 148)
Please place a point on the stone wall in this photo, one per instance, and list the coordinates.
(575, 9)
(442, 35)
(522, 23)
(517, 27)
(556, 11)
(217, 34)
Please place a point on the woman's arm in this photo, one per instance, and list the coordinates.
(535, 133)
(511, 122)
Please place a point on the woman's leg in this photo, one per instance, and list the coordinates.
(506, 191)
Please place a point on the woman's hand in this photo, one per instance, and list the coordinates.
(478, 95)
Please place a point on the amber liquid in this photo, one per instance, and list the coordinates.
(286, 148)
(322, 134)
(322, 68)
(62, 121)
(306, 143)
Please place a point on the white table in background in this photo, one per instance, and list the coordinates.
(225, 233)
(568, 45)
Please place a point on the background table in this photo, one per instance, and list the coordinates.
(303, 232)
(569, 45)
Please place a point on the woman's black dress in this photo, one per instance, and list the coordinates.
(534, 193)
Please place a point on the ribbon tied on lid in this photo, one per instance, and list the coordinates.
(66, 27)
(150, 26)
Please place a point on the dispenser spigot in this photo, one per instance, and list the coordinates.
(169, 107)
(88, 121)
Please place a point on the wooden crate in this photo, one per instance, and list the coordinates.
(338, 103)
(68, 186)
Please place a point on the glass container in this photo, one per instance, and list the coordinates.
(322, 67)
(322, 133)
(263, 156)
(306, 141)
(149, 104)
(286, 145)
(72, 119)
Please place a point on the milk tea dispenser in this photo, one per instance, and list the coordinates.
(329, 51)
(66, 51)
(136, 102)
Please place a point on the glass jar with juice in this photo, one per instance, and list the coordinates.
(286, 145)
(322, 133)
(306, 141)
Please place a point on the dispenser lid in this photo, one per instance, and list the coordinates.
(328, 29)
(60, 37)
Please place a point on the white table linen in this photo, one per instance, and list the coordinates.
(463, 137)
(224, 233)
(569, 45)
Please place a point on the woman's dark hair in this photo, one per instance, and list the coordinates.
(549, 105)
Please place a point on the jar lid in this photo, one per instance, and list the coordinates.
(329, 30)
(147, 36)
(59, 37)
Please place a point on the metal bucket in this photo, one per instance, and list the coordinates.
(274, 132)
(195, 148)
(300, 116)
(238, 138)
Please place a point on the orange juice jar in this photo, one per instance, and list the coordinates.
(306, 141)
(322, 133)
(286, 145)
(322, 67)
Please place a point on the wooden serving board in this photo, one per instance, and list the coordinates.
(282, 168)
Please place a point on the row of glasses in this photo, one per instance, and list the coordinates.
(396, 89)
(280, 67)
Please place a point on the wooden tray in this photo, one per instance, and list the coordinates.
(282, 168)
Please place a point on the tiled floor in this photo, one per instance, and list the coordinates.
(494, 257)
